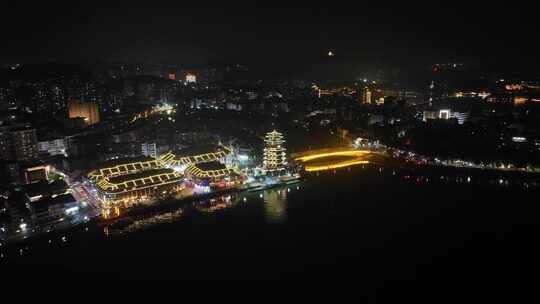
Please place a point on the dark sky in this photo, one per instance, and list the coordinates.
(408, 32)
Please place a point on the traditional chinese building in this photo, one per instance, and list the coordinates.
(275, 155)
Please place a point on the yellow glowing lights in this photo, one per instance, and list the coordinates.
(353, 153)
(519, 100)
(172, 160)
(123, 169)
(513, 87)
(357, 154)
(336, 166)
(200, 173)
(275, 156)
(140, 183)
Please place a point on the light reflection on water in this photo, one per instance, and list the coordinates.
(273, 202)
(217, 204)
(131, 225)
(275, 206)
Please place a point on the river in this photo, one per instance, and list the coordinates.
(380, 226)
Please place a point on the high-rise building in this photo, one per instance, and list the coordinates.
(58, 99)
(24, 143)
(366, 95)
(13, 171)
(6, 151)
(275, 156)
(54, 146)
(149, 149)
(7, 98)
(87, 110)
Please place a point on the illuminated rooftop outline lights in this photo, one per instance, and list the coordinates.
(140, 183)
(198, 172)
(171, 159)
(123, 169)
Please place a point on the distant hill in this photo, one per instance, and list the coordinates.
(44, 71)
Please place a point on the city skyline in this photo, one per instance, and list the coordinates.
(387, 146)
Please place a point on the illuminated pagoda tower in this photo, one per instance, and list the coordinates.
(275, 156)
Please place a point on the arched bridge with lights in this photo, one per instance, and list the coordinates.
(334, 158)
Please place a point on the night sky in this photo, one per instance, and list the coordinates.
(272, 36)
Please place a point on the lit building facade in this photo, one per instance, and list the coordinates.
(149, 149)
(25, 144)
(6, 152)
(139, 178)
(275, 155)
(87, 110)
(52, 209)
(445, 114)
(366, 95)
(58, 146)
(205, 166)
(35, 174)
(18, 142)
(131, 179)
(191, 78)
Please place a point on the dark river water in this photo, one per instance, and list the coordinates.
(377, 227)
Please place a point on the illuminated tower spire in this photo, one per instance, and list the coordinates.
(275, 156)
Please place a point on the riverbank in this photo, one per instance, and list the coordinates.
(361, 220)
(178, 201)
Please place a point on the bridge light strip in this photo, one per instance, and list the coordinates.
(338, 153)
(336, 166)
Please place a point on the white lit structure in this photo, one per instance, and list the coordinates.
(446, 114)
(519, 139)
(191, 78)
(275, 156)
(53, 147)
(461, 117)
(149, 149)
